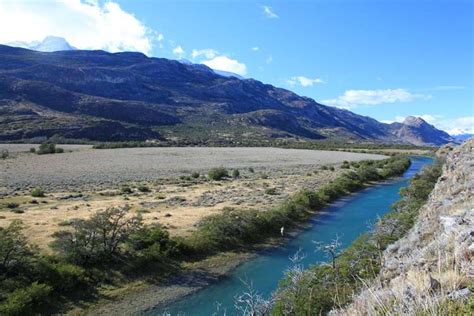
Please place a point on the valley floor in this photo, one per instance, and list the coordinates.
(83, 180)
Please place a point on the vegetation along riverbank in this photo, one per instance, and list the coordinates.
(332, 286)
(128, 249)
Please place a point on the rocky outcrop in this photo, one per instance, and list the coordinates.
(433, 265)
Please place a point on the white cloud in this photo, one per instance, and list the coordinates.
(268, 12)
(225, 63)
(269, 59)
(304, 81)
(209, 53)
(453, 126)
(178, 51)
(354, 98)
(86, 25)
(255, 48)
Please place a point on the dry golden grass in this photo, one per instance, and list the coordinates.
(176, 206)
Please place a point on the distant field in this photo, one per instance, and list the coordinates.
(81, 165)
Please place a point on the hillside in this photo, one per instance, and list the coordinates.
(430, 271)
(100, 96)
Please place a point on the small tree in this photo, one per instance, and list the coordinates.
(99, 237)
(331, 249)
(14, 248)
(252, 303)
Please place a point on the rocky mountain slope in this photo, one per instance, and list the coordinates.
(97, 95)
(418, 132)
(432, 268)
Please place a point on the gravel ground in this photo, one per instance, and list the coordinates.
(81, 165)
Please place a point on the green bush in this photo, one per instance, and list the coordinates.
(25, 301)
(271, 191)
(37, 192)
(195, 175)
(218, 173)
(32, 150)
(48, 148)
(63, 277)
(4, 154)
(143, 188)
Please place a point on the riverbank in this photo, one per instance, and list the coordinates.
(203, 273)
(146, 254)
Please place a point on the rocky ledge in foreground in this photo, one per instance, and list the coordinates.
(431, 270)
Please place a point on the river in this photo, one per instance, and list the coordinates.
(347, 218)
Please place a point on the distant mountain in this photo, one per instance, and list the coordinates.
(49, 44)
(97, 95)
(462, 137)
(417, 131)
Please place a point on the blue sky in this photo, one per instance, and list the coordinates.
(384, 59)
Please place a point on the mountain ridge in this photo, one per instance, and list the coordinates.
(142, 97)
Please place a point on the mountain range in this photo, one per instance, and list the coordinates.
(101, 96)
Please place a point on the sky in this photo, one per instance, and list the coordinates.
(385, 59)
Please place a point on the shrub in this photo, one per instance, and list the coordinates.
(46, 148)
(235, 173)
(153, 242)
(58, 150)
(32, 150)
(126, 190)
(24, 301)
(12, 205)
(195, 175)
(62, 276)
(143, 188)
(218, 173)
(4, 154)
(251, 170)
(37, 192)
(270, 191)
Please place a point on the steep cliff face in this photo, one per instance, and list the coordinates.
(431, 269)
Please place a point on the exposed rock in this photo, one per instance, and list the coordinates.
(435, 260)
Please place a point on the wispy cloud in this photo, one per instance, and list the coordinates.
(86, 25)
(354, 98)
(269, 59)
(255, 48)
(304, 81)
(207, 52)
(269, 13)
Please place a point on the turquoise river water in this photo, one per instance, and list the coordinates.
(347, 218)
